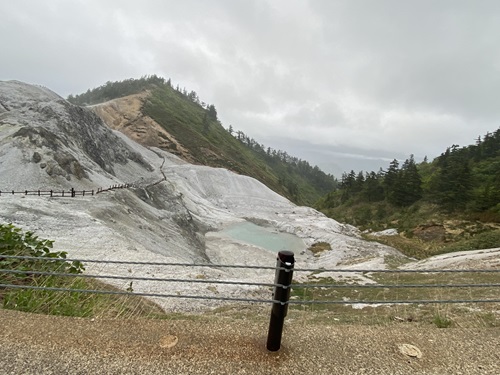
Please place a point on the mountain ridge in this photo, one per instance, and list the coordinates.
(194, 133)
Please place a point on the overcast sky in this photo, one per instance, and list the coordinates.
(343, 84)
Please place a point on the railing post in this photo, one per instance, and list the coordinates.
(284, 273)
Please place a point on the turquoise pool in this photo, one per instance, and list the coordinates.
(264, 237)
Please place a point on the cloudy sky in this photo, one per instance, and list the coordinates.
(343, 84)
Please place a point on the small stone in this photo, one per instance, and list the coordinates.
(410, 350)
(169, 341)
(36, 157)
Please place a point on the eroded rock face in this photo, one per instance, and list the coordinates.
(125, 115)
(70, 140)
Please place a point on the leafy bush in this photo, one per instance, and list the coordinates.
(15, 242)
(66, 298)
(442, 321)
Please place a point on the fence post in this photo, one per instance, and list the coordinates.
(284, 273)
(72, 192)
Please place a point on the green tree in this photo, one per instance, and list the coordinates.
(391, 180)
(409, 187)
(212, 112)
(373, 190)
(452, 183)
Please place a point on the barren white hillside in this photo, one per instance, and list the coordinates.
(173, 213)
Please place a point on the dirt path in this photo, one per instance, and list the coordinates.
(38, 344)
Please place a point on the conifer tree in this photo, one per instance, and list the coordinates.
(453, 182)
(391, 180)
(409, 188)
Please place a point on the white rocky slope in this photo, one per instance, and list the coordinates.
(173, 212)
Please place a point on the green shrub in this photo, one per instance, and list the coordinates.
(442, 321)
(319, 247)
(16, 242)
(13, 241)
(70, 301)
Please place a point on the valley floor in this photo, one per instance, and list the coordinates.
(223, 344)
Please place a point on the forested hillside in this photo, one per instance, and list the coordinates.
(461, 185)
(196, 126)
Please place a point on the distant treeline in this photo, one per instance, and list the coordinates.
(119, 89)
(460, 179)
(288, 166)
(112, 90)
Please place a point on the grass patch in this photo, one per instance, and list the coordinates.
(438, 314)
(318, 247)
(419, 249)
(87, 305)
(442, 321)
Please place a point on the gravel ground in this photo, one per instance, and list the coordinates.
(211, 344)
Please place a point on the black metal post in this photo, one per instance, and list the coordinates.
(284, 273)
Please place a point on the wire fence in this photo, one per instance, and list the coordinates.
(452, 286)
(64, 193)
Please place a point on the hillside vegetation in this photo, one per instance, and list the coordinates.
(449, 204)
(195, 125)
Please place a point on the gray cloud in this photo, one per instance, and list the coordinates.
(369, 79)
